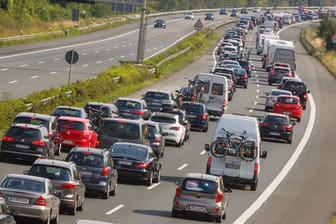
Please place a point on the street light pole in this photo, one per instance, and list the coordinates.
(142, 33)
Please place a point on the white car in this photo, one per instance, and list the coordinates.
(170, 124)
(189, 15)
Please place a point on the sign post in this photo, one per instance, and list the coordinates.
(71, 57)
(198, 25)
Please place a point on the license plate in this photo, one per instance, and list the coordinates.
(274, 133)
(19, 146)
(125, 163)
(85, 173)
(192, 116)
(19, 200)
(232, 165)
(67, 142)
(196, 208)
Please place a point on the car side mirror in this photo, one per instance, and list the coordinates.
(25, 172)
(263, 154)
(207, 147)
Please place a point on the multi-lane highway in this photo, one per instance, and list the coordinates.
(297, 180)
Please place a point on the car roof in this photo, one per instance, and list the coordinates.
(25, 176)
(30, 114)
(124, 120)
(163, 114)
(53, 162)
(132, 144)
(202, 176)
(88, 149)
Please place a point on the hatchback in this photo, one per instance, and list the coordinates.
(276, 126)
(31, 198)
(298, 88)
(66, 180)
(203, 195)
(170, 123)
(69, 111)
(189, 15)
(75, 131)
(133, 108)
(157, 137)
(209, 16)
(160, 23)
(272, 96)
(241, 77)
(27, 141)
(96, 168)
(136, 161)
(289, 105)
(276, 73)
(197, 115)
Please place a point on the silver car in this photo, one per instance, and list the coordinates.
(272, 97)
(31, 197)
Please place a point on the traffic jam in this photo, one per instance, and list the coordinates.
(75, 152)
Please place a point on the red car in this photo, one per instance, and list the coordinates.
(289, 105)
(74, 131)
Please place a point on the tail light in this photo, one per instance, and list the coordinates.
(7, 139)
(157, 139)
(298, 107)
(105, 172)
(41, 201)
(256, 168)
(143, 165)
(264, 125)
(224, 103)
(97, 143)
(178, 191)
(38, 143)
(139, 112)
(305, 96)
(204, 117)
(208, 165)
(69, 186)
(175, 128)
(287, 128)
(244, 77)
(219, 196)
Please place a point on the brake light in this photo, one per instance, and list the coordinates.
(298, 107)
(41, 201)
(143, 165)
(70, 186)
(105, 172)
(139, 112)
(287, 128)
(175, 128)
(38, 143)
(178, 191)
(204, 117)
(7, 139)
(157, 139)
(97, 143)
(305, 96)
(219, 196)
(208, 165)
(256, 168)
(244, 77)
(224, 103)
(264, 125)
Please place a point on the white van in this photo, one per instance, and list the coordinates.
(215, 94)
(233, 168)
(261, 41)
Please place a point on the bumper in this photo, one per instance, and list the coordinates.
(239, 181)
(32, 212)
(99, 187)
(199, 125)
(133, 174)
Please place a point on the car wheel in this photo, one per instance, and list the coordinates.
(158, 177)
(106, 194)
(73, 210)
(81, 207)
(218, 219)
(245, 86)
(47, 221)
(174, 213)
(298, 119)
(304, 107)
(289, 141)
(149, 181)
(270, 83)
(205, 129)
(114, 191)
(55, 220)
(179, 144)
(224, 215)
(254, 187)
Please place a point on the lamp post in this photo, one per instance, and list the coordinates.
(142, 33)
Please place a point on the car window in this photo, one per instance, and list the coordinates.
(121, 130)
(276, 120)
(32, 120)
(137, 151)
(294, 86)
(87, 159)
(24, 132)
(67, 112)
(24, 184)
(204, 186)
(277, 93)
(74, 125)
(217, 89)
(288, 100)
(51, 172)
(157, 95)
(163, 119)
(127, 104)
(152, 129)
(192, 108)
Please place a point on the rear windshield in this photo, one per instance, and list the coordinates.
(122, 130)
(157, 95)
(152, 129)
(24, 132)
(276, 120)
(131, 150)
(203, 186)
(277, 93)
(295, 86)
(73, 125)
(281, 70)
(127, 104)
(67, 112)
(24, 184)
(288, 100)
(32, 120)
(87, 159)
(51, 172)
(217, 89)
(192, 108)
(163, 119)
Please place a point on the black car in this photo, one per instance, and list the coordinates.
(209, 16)
(197, 115)
(244, 11)
(234, 13)
(276, 126)
(133, 108)
(241, 77)
(136, 161)
(160, 23)
(223, 11)
(27, 141)
(246, 64)
(298, 88)
(156, 98)
(96, 168)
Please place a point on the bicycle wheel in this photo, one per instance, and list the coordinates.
(248, 150)
(220, 148)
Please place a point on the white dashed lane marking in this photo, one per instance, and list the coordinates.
(153, 185)
(24, 65)
(114, 210)
(85, 65)
(12, 82)
(4, 69)
(41, 62)
(34, 77)
(183, 166)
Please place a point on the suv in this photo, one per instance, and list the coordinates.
(201, 194)
(133, 108)
(298, 88)
(27, 141)
(155, 99)
(122, 130)
(69, 187)
(103, 109)
(197, 115)
(96, 168)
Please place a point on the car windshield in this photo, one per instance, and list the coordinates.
(162, 119)
(24, 132)
(131, 150)
(127, 104)
(24, 184)
(197, 185)
(51, 172)
(87, 159)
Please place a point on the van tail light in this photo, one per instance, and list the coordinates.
(41, 201)
(178, 191)
(219, 196)
(143, 165)
(208, 165)
(204, 117)
(256, 168)
(7, 139)
(69, 186)
(175, 128)
(105, 172)
(139, 112)
(38, 143)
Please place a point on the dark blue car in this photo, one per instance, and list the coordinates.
(197, 115)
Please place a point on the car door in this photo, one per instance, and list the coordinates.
(114, 172)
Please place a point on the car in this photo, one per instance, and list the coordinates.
(298, 88)
(246, 64)
(122, 130)
(197, 115)
(241, 77)
(27, 141)
(234, 13)
(227, 62)
(69, 111)
(170, 123)
(157, 137)
(32, 198)
(289, 105)
(102, 109)
(201, 194)
(6, 216)
(272, 96)
(277, 72)
(156, 98)
(244, 11)
(231, 84)
(189, 15)
(160, 23)
(209, 16)
(75, 131)
(133, 108)
(136, 161)
(256, 10)
(223, 11)
(285, 79)
(68, 184)
(97, 170)
(276, 126)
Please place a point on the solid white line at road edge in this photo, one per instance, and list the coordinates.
(114, 210)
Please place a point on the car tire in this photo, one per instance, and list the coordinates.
(149, 181)
(298, 119)
(174, 213)
(114, 191)
(81, 207)
(224, 215)
(158, 177)
(106, 194)
(245, 86)
(73, 210)
(58, 150)
(179, 144)
(218, 219)
(254, 186)
(304, 107)
(55, 220)
(205, 129)
(270, 83)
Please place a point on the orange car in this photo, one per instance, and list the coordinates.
(74, 131)
(289, 105)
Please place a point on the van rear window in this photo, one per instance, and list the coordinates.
(217, 89)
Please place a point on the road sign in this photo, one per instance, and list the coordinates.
(71, 57)
(198, 25)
